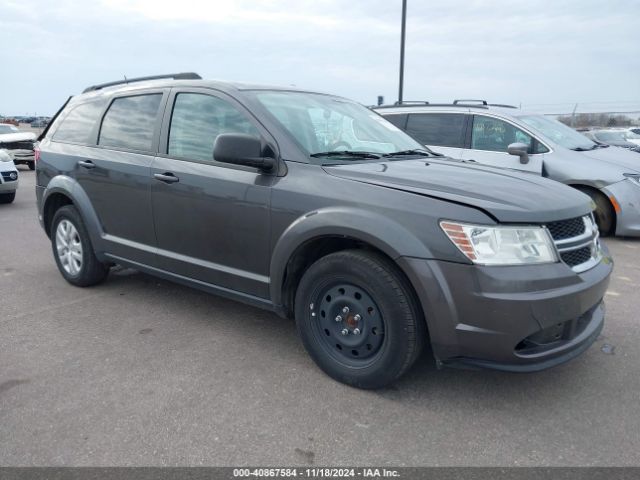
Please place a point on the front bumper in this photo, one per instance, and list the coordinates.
(21, 156)
(7, 185)
(627, 194)
(519, 318)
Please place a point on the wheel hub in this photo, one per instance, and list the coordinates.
(347, 322)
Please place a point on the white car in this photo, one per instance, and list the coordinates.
(19, 145)
(8, 178)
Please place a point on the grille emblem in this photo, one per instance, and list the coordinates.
(13, 175)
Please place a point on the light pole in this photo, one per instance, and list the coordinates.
(402, 35)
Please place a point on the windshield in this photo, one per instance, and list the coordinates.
(611, 136)
(8, 129)
(322, 123)
(630, 135)
(557, 132)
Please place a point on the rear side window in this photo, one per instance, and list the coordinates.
(78, 125)
(130, 121)
(439, 129)
(399, 121)
(196, 122)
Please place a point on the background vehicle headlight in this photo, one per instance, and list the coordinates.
(487, 245)
(634, 177)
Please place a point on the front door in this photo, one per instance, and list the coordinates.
(490, 138)
(212, 219)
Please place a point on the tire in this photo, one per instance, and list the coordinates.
(32, 165)
(391, 330)
(604, 213)
(82, 269)
(7, 197)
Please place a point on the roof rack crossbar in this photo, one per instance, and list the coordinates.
(467, 100)
(174, 76)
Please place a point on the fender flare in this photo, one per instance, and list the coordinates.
(377, 230)
(71, 188)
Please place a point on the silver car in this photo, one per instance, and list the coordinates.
(506, 137)
(8, 178)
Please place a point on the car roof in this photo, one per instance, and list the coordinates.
(504, 110)
(224, 86)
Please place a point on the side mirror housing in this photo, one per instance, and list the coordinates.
(520, 150)
(242, 149)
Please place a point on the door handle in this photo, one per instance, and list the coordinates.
(166, 177)
(87, 164)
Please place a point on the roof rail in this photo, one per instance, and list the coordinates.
(502, 105)
(411, 102)
(467, 100)
(174, 76)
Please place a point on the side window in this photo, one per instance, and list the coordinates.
(78, 125)
(440, 129)
(496, 135)
(196, 122)
(130, 122)
(399, 121)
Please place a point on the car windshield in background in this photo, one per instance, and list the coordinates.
(323, 124)
(630, 135)
(611, 136)
(558, 132)
(8, 129)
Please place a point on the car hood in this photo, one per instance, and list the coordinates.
(16, 137)
(508, 196)
(620, 157)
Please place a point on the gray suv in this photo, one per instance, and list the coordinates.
(316, 208)
(506, 137)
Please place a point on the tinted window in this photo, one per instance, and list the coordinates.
(78, 125)
(495, 135)
(130, 121)
(440, 129)
(196, 122)
(399, 121)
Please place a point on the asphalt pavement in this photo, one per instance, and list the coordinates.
(139, 371)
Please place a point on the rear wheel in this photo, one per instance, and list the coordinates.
(604, 213)
(73, 251)
(357, 319)
(7, 197)
(32, 165)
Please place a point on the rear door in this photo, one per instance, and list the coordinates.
(212, 219)
(489, 138)
(116, 174)
(442, 132)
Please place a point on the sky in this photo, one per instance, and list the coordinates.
(545, 55)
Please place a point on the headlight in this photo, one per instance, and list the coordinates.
(486, 245)
(634, 177)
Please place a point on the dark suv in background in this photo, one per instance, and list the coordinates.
(314, 207)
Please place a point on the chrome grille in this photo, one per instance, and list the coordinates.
(577, 241)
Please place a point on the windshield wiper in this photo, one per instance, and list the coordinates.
(595, 145)
(416, 151)
(345, 153)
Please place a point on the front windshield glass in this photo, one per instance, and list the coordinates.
(8, 129)
(611, 136)
(322, 123)
(557, 132)
(629, 135)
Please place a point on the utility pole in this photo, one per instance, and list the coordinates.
(402, 35)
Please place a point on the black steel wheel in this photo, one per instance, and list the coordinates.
(349, 323)
(357, 318)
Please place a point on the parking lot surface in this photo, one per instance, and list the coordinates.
(139, 371)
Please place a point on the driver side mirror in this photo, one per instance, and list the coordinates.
(242, 149)
(521, 150)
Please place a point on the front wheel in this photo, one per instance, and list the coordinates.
(604, 213)
(73, 251)
(357, 318)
